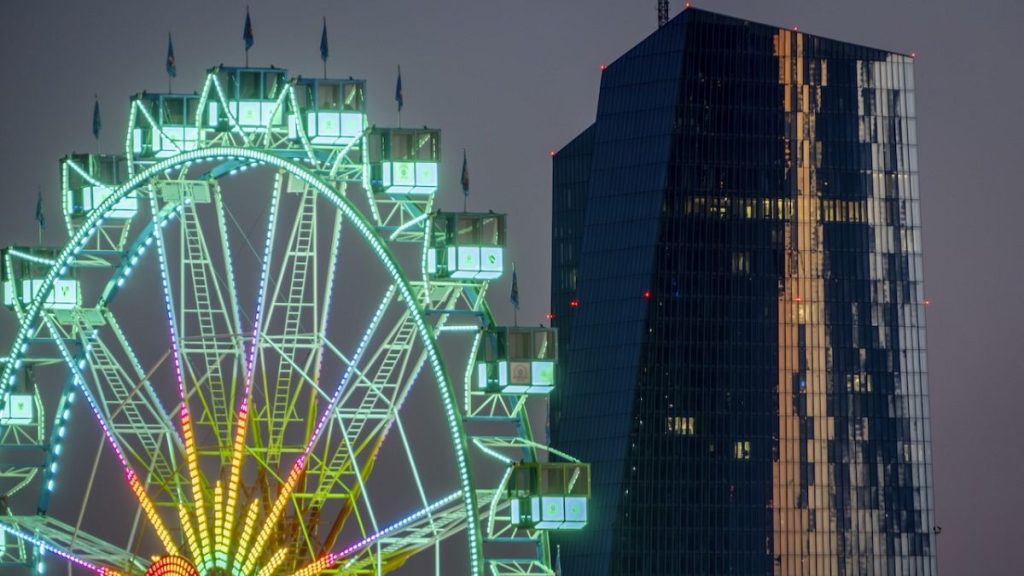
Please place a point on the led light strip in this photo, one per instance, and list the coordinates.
(128, 147)
(459, 328)
(88, 177)
(407, 225)
(188, 435)
(452, 416)
(342, 383)
(301, 128)
(156, 126)
(224, 513)
(130, 475)
(273, 516)
(331, 560)
(227, 110)
(172, 566)
(273, 563)
(47, 547)
(30, 257)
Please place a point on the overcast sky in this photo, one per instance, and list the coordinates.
(511, 80)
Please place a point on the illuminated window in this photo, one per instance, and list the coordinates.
(741, 262)
(741, 450)
(858, 383)
(680, 425)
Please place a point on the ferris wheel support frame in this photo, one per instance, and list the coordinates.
(66, 259)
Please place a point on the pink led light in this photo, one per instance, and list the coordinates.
(332, 559)
(101, 570)
(336, 397)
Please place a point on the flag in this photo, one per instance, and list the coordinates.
(465, 175)
(398, 90)
(247, 31)
(323, 42)
(514, 293)
(40, 217)
(172, 68)
(96, 125)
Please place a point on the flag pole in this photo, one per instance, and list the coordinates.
(323, 46)
(247, 37)
(169, 64)
(96, 121)
(513, 295)
(465, 181)
(40, 219)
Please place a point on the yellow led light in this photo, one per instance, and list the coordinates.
(236, 471)
(150, 511)
(190, 535)
(316, 567)
(198, 500)
(250, 522)
(218, 518)
(274, 515)
(273, 563)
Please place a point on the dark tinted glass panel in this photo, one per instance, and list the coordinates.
(736, 278)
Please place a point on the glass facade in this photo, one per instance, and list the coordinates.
(736, 279)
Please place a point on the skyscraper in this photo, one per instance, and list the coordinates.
(736, 279)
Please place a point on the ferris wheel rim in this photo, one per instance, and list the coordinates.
(34, 316)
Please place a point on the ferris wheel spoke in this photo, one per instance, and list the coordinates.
(74, 362)
(258, 387)
(72, 544)
(126, 397)
(366, 406)
(364, 415)
(352, 369)
(208, 318)
(344, 472)
(395, 542)
(319, 479)
(291, 343)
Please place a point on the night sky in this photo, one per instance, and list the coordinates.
(511, 81)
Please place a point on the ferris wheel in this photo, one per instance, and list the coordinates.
(262, 351)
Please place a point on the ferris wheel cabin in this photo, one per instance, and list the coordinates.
(163, 125)
(331, 112)
(466, 246)
(252, 97)
(88, 180)
(18, 410)
(549, 495)
(517, 360)
(24, 277)
(404, 162)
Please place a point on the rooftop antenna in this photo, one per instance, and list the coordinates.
(662, 13)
